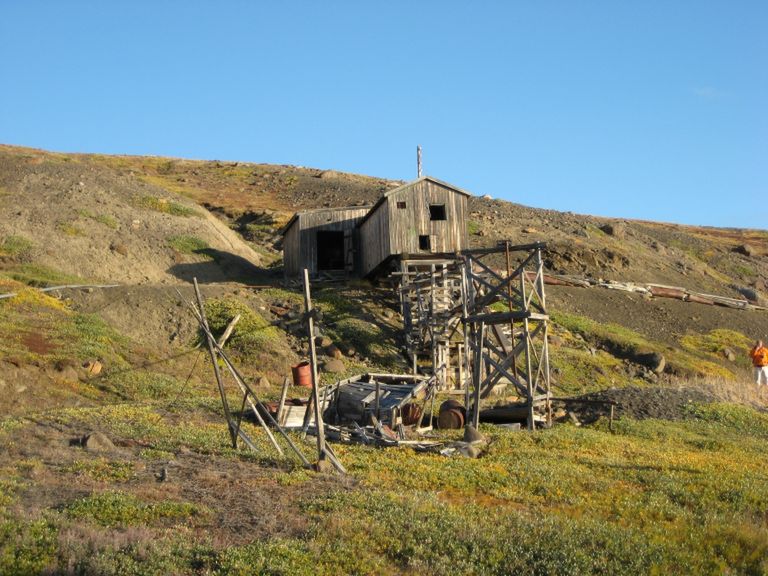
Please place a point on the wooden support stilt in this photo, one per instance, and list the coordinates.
(323, 453)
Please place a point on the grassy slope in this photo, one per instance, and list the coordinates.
(687, 497)
(651, 496)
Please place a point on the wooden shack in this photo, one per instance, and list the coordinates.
(423, 217)
(323, 240)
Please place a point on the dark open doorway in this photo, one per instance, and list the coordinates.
(330, 250)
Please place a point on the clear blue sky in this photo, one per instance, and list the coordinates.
(641, 109)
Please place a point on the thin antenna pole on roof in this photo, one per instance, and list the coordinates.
(418, 161)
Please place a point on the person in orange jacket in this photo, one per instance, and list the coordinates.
(759, 355)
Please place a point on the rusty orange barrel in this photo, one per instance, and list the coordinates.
(302, 375)
(451, 416)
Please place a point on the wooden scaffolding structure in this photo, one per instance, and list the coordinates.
(430, 292)
(507, 343)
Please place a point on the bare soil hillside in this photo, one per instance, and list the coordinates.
(103, 225)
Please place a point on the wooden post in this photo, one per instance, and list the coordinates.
(511, 307)
(214, 361)
(281, 405)
(466, 272)
(545, 335)
(313, 371)
(228, 331)
(323, 452)
(478, 376)
(528, 365)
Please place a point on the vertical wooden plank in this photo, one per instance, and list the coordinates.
(527, 348)
(319, 427)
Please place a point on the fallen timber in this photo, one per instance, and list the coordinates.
(654, 290)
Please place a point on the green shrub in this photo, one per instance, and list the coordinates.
(165, 206)
(18, 248)
(121, 509)
(41, 276)
(102, 469)
(26, 547)
(252, 332)
(70, 229)
(88, 337)
(187, 244)
(139, 384)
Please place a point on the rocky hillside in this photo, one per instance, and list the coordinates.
(114, 454)
(149, 220)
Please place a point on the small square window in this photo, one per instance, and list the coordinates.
(424, 243)
(437, 211)
(401, 205)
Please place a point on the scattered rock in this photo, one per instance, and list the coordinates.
(468, 450)
(555, 340)
(748, 293)
(529, 231)
(744, 249)
(92, 368)
(333, 351)
(388, 314)
(65, 374)
(323, 466)
(334, 366)
(615, 229)
(97, 442)
(654, 361)
(471, 435)
(323, 341)
(486, 197)
(729, 354)
(347, 350)
(119, 248)
(263, 382)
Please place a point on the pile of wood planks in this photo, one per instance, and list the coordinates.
(654, 290)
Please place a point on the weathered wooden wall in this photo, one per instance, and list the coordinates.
(374, 238)
(292, 249)
(300, 239)
(390, 230)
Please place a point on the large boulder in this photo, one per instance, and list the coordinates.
(334, 366)
(97, 442)
(654, 361)
(333, 351)
(744, 249)
(615, 229)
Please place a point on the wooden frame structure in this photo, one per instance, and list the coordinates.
(430, 290)
(509, 345)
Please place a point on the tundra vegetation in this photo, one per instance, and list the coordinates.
(166, 493)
